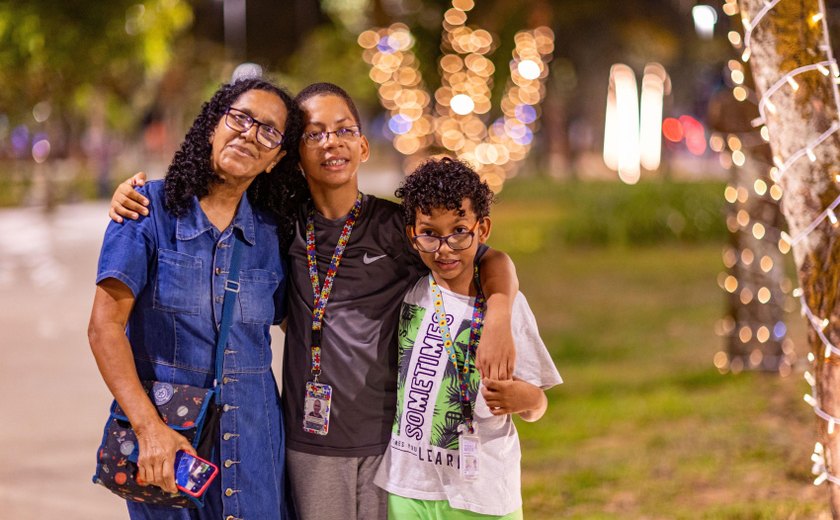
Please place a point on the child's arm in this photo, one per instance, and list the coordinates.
(496, 353)
(128, 203)
(514, 396)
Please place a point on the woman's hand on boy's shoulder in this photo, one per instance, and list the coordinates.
(127, 202)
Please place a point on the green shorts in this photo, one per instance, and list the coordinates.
(401, 508)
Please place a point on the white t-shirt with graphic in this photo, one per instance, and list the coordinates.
(422, 459)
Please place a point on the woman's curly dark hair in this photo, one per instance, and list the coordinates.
(443, 183)
(279, 191)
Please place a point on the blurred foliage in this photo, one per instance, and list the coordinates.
(68, 53)
(607, 213)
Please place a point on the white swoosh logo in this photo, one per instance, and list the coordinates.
(371, 259)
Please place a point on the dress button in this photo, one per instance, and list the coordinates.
(228, 436)
(228, 463)
(228, 492)
(230, 517)
(218, 270)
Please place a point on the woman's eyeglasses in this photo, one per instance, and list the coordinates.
(347, 134)
(267, 135)
(455, 241)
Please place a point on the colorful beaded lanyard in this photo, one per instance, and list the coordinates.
(462, 374)
(322, 294)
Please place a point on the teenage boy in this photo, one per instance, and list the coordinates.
(454, 451)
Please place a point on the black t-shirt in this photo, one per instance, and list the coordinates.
(359, 342)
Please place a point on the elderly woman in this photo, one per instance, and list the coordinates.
(160, 287)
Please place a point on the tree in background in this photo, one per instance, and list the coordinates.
(80, 68)
(789, 51)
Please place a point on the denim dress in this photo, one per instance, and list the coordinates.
(176, 268)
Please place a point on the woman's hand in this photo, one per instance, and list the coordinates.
(126, 202)
(156, 463)
(514, 396)
(157, 442)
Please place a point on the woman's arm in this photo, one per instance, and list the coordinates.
(516, 396)
(158, 443)
(126, 202)
(496, 354)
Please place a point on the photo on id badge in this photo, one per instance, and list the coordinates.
(316, 408)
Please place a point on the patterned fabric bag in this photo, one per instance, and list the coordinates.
(189, 410)
(192, 411)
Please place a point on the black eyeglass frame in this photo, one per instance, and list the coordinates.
(249, 122)
(441, 239)
(348, 133)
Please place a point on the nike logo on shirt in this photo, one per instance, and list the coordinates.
(371, 259)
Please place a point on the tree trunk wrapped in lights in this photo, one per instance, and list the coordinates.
(755, 280)
(787, 45)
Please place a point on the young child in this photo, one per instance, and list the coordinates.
(454, 450)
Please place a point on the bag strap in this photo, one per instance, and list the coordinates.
(231, 289)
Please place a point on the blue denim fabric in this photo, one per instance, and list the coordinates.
(176, 268)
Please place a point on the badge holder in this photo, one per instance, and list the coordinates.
(318, 399)
(468, 447)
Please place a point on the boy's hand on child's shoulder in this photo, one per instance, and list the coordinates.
(496, 354)
(510, 396)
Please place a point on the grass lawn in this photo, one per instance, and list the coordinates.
(645, 426)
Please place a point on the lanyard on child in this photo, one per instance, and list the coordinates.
(462, 374)
(322, 293)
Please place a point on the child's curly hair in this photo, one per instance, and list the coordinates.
(190, 173)
(443, 183)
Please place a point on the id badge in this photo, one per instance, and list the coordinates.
(468, 456)
(316, 408)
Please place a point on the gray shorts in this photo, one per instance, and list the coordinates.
(335, 488)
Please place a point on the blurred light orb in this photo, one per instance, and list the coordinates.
(20, 139)
(41, 111)
(705, 18)
(246, 70)
(529, 69)
(525, 113)
(462, 104)
(526, 136)
(779, 330)
(399, 124)
(672, 129)
(41, 150)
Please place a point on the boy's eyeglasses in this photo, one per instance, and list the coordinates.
(241, 122)
(455, 241)
(319, 138)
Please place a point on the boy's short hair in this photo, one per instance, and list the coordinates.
(329, 89)
(443, 183)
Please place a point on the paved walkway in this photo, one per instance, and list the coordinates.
(52, 398)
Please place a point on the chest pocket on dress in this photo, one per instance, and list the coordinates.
(256, 296)
(178, 285)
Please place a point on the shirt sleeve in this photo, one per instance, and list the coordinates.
(127, 251)
(533, 361)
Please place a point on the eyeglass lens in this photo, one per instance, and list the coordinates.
(267, 135)
(455, 241)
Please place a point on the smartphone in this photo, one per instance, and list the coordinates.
(193, 474)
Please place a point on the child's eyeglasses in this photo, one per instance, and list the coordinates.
(455, 241)
(241, 122)
(348, 134)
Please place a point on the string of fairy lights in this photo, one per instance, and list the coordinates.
(755, 327)
(829, 68)
(454, 118)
